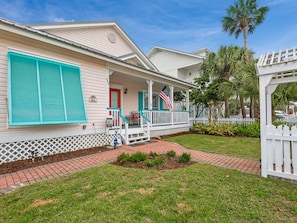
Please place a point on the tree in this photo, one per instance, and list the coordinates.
(243, 17)
(221, 67)
(283, 94)
(247, 86)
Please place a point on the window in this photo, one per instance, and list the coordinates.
(155, 103)
(44, 92)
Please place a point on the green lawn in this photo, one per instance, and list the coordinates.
(107, 193)
(242, 147)
(198, 193)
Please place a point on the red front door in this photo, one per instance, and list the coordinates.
(115, 102)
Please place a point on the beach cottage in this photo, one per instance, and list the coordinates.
(70, 86)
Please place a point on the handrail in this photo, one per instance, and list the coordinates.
(143, 116)
(120, 113)
(122, 116)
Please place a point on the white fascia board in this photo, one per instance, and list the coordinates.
(71, 25)
(158, 48)
(134, 55)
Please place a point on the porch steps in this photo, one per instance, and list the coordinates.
(137, 137)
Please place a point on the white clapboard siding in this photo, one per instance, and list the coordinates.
(96, 38)
(93, 75)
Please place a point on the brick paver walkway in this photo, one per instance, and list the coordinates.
(12, 181)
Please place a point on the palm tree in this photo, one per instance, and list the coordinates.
(283, 94)
(247, 83)
(243, 17)
(220, 67)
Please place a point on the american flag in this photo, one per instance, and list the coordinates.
(165, 97)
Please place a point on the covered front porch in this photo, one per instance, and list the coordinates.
(136, 111)
(149, 123)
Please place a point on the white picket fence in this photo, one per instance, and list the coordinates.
(281, 150)
(238, 121)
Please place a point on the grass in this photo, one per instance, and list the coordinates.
(242, 147)
(198, 193)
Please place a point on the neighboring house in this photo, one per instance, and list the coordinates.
(181, 65)
(70, 86)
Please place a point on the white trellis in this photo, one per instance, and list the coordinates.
(278, 146)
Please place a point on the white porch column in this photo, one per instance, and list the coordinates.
(150, 94)
(171, 95)
(188, 105)
(187, 100)
(264, 82)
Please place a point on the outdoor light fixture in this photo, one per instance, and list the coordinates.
(93, 99)
(126, 91)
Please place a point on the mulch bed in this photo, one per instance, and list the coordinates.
(171, 163)
(25, 164)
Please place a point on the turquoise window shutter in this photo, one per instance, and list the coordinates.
(24, 103)
(44, 92)
(140, 101)
(51, 92)
(161, 103)
(73, 98)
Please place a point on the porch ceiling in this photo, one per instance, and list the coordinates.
(138, 80)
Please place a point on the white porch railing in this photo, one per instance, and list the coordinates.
(238, 121)
(281, 150)
(161, 118)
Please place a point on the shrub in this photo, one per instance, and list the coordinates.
(221, 129)
(149, 163)
(228, 129)
(252, 130)
(184, 158)
(137, 157)
(123, 158)
(171, 153)
(153, 154)
(159, 161)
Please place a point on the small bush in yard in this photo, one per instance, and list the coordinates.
(228, 129)
(252, 130)
(153, 154)
(123, 158)
(223, 129)
(184, 158)
(171, 153)
(159, 161)
(137, 157)
(149, 163)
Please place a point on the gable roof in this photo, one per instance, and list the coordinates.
(45, 37)
(157, 49)
(139, 55)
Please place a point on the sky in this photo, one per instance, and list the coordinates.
(183, 25)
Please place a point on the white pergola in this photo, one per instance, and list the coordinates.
(278, 145)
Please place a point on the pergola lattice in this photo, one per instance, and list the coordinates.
(278, 145)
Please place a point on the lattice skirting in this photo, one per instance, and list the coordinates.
(21, 150)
